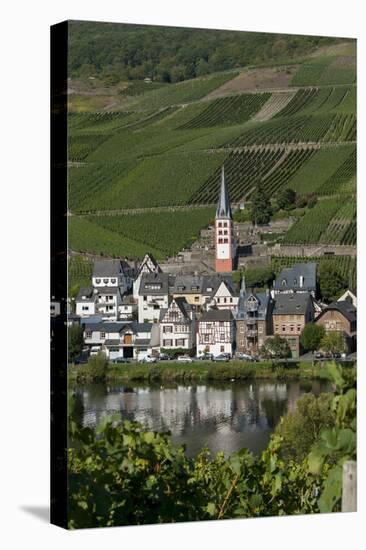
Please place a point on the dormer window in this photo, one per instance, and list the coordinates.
(284, 282)
(113, 281)
(105, 281)
(97, 281)
(209, 289)
(180, 288)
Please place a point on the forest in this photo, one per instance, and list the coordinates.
(115, 52)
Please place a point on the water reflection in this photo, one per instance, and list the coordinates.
(223, 417)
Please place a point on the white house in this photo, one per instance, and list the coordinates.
(122, 339)
(148, 265)
(128, 308)
(109, 300)
(86, 301)
(224, 297)
(178, 325)
(112, 274)
(216, 332)
(153, 296)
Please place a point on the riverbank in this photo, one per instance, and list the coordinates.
(201, 371)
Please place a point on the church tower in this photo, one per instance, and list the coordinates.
(225, 243)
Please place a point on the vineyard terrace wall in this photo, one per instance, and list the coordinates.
(313, 250)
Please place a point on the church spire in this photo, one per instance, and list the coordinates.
(223, 206)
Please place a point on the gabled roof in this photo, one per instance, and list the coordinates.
(148, 258)
(290, 278)
(214, 281)
(223, 206)
(292, 304)
(345, 307)
(217, 315)
(263, 300)
(183, 306)
(107, 268)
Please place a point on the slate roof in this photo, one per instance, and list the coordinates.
(107, 289)
(214, 281)
(115, 326)
(189, 284)
(217, 315)
(183, 305)
(112, 342)
(291, 304)
(345, 307)
(146, 258)
(88, 292)
(164, 279)
(106, 268)
(263, 299)
(292, 277)
(223, 206)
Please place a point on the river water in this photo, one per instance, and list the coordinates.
(223, 417)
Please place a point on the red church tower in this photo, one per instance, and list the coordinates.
(225, 243)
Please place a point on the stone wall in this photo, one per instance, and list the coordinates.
(313, 250)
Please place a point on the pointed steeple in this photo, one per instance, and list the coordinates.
(242, 286)
(223, 206)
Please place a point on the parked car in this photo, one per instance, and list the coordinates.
(327, 355)
(164, 357)
(337, 355)
(185, 359)
(222, 357)
(148, 359)
(205, 357)
(319, 355)
(244, 357)
(120, 360)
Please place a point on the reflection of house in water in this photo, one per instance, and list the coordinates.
(240, 415)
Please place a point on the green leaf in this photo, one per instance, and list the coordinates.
(211, 508)
(332, 490)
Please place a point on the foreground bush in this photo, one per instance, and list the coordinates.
(120, 475)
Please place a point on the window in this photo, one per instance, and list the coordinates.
(292, 328)
(206, 337)
(242, 328)
(225, 232)
(102, 334)
(105, 281)
(220, 224)
(145, 298)
(226, 241)
(113, 281)
(221, 241)
(222, 349)
(298, 328)
(168, 328)
(196, 298)
(85, 308)
(222, 337)
(224, 300)
(180, 342)
(277, 328)
(167, 343)
(283, 328)
(220, 232)
(97, 281)
(224, 224)
(231, 300)
(88, 334)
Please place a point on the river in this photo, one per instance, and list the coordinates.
(224, 417)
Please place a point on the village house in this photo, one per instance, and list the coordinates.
(290, 314)
(216, 332)
(178, 325)
(341, 316)
(122, 339)
(86, 301)
(224, 296)
(154, 294)
(300, 278)
(148, 265)
(189, 287)
(253, 320)
(112, 274)
(128, 308)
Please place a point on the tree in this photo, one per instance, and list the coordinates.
(331, 281)
(333, 342)
(300, 429)
(311, 336)
(75, 341)
(286, 199)
(276, 348)
(260, 208)
(258, 276)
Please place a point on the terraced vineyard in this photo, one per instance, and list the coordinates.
(338, 181)
(165, 145)
(79, 271)
(328, 223)
(228, 110)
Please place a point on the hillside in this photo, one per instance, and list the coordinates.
(145, 163)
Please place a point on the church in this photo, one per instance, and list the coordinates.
(225, 241)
